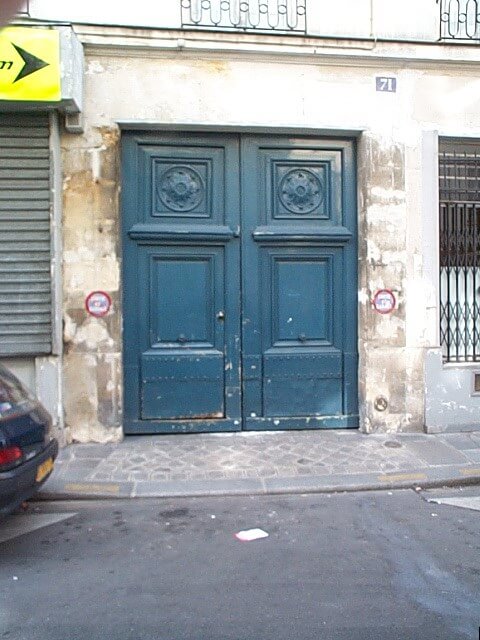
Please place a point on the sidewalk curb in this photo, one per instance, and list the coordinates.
(425, 478)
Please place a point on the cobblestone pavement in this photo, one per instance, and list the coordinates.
(165, 462)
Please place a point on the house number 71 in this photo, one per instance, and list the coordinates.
(387, 84)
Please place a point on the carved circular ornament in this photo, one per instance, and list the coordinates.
(301, 191)
(181, 188)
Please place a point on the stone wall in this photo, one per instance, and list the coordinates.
(91, 239)
(272, 92)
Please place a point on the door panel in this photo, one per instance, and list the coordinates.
(302, 386)
(301, 294)
(181, 331)
(299, 327)
(182, 371)
(302, 372)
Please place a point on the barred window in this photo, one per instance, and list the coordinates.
(459, 190)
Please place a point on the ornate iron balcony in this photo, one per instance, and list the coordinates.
(285, 16)
(459, 19)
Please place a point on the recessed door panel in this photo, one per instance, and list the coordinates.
(182, 371)
(301, 309)
(188, 318)
(302, 369)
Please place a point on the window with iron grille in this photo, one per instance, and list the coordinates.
(459, 177)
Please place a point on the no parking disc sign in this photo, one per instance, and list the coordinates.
(384, 301)
(98, 303)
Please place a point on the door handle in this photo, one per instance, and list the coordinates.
(221, 315)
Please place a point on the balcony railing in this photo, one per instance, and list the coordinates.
(459, 19)
(285, 16)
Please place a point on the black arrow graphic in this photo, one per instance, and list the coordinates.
(31, 63)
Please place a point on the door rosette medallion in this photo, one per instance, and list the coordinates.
(300, 191)
(181, 188)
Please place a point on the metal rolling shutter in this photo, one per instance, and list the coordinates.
(25, 251)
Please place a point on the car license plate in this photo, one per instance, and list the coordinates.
(44, 469)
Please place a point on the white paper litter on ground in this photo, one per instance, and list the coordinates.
(251, 534)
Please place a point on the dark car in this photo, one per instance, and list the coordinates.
(27, 449)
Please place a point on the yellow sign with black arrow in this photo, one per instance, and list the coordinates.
(30, 65)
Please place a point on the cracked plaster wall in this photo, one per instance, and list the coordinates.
(92, 346)
(391, 360)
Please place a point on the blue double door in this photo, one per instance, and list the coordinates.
(240, 283)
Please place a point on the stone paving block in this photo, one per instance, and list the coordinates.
(435, 452)
(86, 464)
(307, 484)
(95, 451)
(107, 467)
(459, 441)
(472, 454)
(476, 438)
(198, 488)
(70, 475)
(100, 477)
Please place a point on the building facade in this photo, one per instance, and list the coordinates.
(260, 216)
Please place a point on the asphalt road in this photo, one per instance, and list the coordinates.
(365, 566)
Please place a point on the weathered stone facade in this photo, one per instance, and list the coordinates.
(254, 90)
(91, 246)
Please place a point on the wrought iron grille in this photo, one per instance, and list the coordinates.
(459, 173)
(459, 19)
(286, 16)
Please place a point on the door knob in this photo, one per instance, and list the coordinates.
(221, 315)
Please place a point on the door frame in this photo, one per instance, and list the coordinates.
(351, 136)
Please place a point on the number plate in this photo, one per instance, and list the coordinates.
(389, 85)
(44, 469)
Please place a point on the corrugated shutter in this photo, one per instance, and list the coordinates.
(25, 248)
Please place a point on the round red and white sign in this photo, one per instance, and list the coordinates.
(98, 303)
(384, 301)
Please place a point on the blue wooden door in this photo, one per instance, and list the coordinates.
(181, 283)
(240, 283)
(299, 293)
